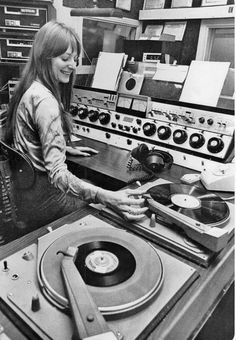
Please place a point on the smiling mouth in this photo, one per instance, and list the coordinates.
(66, 73)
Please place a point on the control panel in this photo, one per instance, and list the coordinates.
(18, 24)
(14, 16)
(194, 135)
(15, 49)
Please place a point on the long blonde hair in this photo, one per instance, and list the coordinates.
(52, 40)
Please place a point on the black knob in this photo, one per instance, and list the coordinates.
(164, 132)
(215, 145)
(129, 141)
(139, 121)
(73, 110)
(113, 125)
(93, 115)
(104, 118)
(149, 129)
(135, 130)
(210, 121)
(108, 135)
(180, 136)
(196, 140)
(83, 112)
(201, 120)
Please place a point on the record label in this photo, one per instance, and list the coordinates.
(101, 261)
(185, 201)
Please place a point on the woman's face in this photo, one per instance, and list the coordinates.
(64, 65)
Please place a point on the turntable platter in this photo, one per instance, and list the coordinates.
(122, 272)
(193, 202)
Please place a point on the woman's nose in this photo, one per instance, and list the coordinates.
(72, 64)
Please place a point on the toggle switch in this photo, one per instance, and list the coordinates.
(5, 266)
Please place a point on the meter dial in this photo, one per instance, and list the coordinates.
(124, 102)
(139, 105)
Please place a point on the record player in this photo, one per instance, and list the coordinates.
(114, 283)
(188, 220)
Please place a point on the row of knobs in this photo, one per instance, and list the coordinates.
(196, 140)
(93, 115)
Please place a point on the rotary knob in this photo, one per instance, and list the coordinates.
(104, 118)
(210, 121)
(83, 112)
(196, 140)
(164, 132)
(93, 115)
(215, 145)
(180, 136)
(73, 110)
(149, 129)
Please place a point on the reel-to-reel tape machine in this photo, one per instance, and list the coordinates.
(130, 283)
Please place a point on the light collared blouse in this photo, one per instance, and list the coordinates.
(39, 134)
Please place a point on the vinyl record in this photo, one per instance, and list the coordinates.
(130, 83)
(104, 264)
(124, 272)
(191, 201)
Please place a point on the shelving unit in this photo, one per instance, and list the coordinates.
(210, 12)
(18, 25)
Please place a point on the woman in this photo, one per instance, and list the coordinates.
(39, 126)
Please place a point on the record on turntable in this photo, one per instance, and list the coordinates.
(174, 232)
(91, 256)
(111, 264)
(199, 213)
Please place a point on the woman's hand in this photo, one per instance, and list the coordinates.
(128, 203)
(81, 151)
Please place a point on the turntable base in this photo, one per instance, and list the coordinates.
(169, 236)
(20, 283)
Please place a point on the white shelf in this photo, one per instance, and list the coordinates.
(119, 21)
(210, 12)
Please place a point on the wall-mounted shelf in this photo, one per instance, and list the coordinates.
(120, 21)
(188, 13)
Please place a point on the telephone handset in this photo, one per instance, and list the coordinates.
(152, 161)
